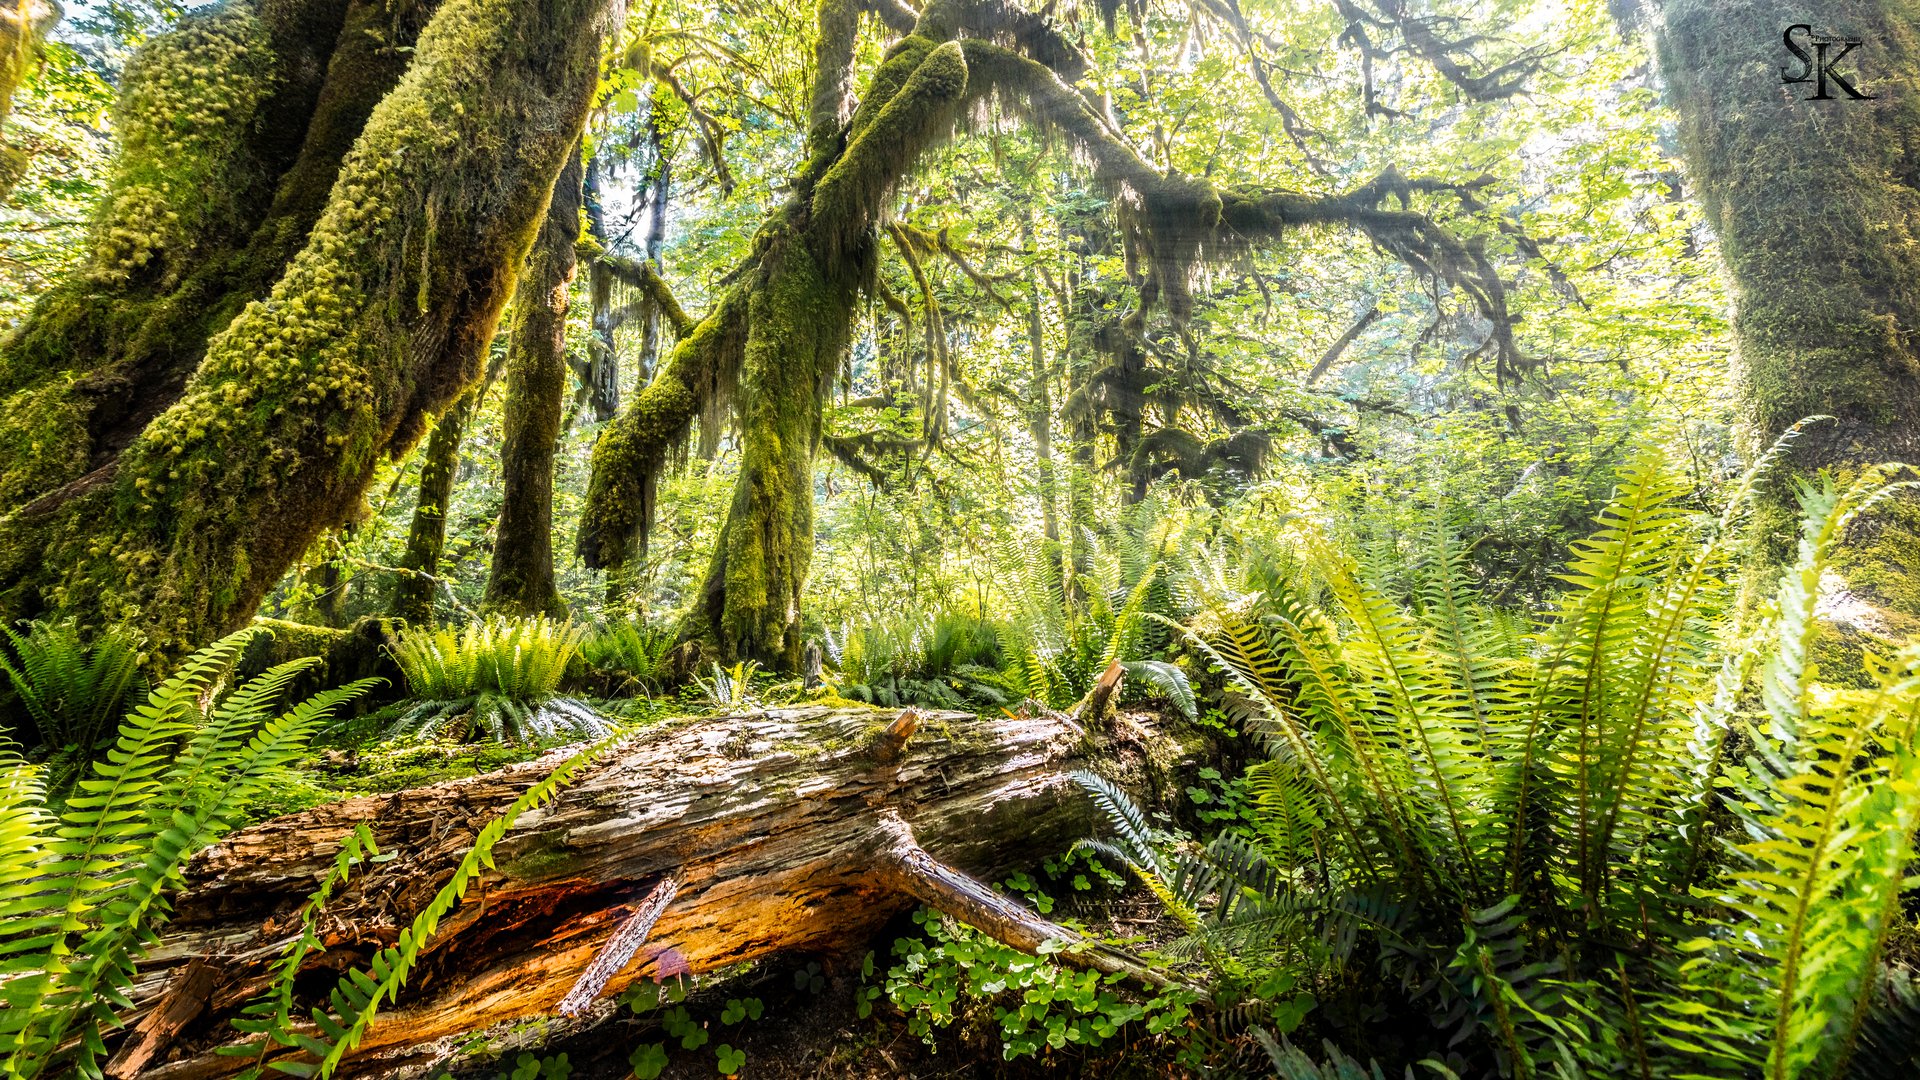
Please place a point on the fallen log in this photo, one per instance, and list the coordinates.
(687, 849)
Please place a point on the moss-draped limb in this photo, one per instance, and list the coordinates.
(641, 275)
(195, 224)
(697, 378)
(881, 146)
(1817, 208)
(380, 321)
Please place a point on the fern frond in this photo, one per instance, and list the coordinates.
(357, 998)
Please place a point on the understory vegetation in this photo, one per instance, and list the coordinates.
(1329, 539)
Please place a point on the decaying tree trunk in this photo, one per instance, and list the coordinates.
(791, 830)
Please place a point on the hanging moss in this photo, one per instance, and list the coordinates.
(632, 451)
(851, 193)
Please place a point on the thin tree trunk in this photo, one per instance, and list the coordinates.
(1041, 402)
(427, 536)
(521, 582)
(652, 245)
(602, 382)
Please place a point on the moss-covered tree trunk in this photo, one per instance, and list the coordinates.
(776, 339)
(1816, 204)
(23, 25)
(270, 407)
(427, 534)
(521, 581)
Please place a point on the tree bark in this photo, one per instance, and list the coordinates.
(1816, 204)
(521, 582)
(427, 534)
(378, 323)
(793, 830)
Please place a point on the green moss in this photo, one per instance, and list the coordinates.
(634, 448)
(921, 113)
(284, 641)
(1819, 231)
(43, 439)
(276, 435)
(1880, 560)
(797, 326)
(189, 99)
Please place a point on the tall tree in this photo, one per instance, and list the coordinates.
(772, 342)
(521, 581)
(1816, 204)
(278, 293)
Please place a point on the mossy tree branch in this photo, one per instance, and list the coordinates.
(381, 320)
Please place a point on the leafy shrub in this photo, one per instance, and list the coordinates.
(1035, 1002)
(500, 677)
(1528, 830)
(82, 891)
(71, 689)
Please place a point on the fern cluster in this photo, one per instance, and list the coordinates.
(69, 689)
(632, 649)
(946, 659)
(1633, 838)
(499, 677)
(1064, 632)
(83, 891)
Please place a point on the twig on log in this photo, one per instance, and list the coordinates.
(891, 745)
(619, 949)
(1102, 693)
